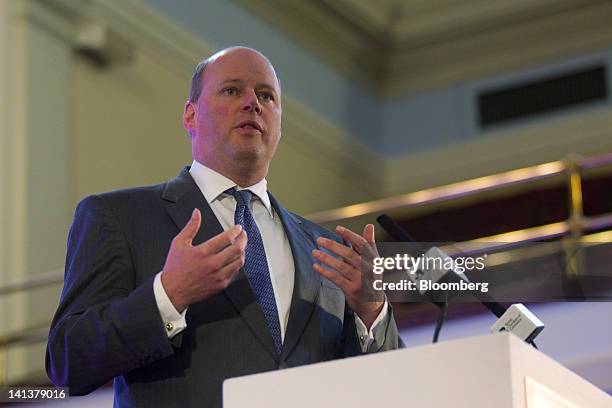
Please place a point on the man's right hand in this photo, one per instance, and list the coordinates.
(193, 273)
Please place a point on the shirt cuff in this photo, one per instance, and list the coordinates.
(376, 335)
(174, 322)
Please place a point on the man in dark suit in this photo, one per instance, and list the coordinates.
(171, 289)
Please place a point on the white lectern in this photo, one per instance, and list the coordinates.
(490, 371)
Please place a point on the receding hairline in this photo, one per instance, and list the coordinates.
(195, 88)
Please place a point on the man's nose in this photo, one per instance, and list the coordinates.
(251, 104)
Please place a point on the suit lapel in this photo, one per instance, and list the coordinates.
(307, 281)
(182, 195)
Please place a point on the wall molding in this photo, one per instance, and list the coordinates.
(497, 50)
(179, 48)
(396, 48)
(587, 133)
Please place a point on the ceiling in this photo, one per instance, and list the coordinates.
(395, 47)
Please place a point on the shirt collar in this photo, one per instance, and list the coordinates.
(213, 184)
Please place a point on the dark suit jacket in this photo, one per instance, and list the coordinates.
(108, 324)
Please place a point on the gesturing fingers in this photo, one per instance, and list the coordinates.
(339, 280)
(345, 270)
(356, 240)
(221, 241)
(368, 233)
(351, 270)
(348, 254)
(229, 254)
(229, 270)
(236, 249)
(364, 245)
(192, 273)
(190, 229)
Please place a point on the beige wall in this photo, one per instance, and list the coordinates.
(35, 176)
(127, 125)
(304, 183)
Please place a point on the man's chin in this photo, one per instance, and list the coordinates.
(246, 156)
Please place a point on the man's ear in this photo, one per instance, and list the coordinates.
(189, 117)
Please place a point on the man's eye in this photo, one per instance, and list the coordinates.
(230, 91)
(266, 96)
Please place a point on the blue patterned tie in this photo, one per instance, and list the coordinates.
(256, 264)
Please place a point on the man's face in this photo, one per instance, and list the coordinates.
(236, 121)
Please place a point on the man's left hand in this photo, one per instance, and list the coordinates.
(351, 270)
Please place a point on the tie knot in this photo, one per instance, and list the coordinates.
(243, 197)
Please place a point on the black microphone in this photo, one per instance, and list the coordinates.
(394, 229)
(399, 234)
(516, 319)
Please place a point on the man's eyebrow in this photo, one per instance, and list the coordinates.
(257, 86)
(232, 80)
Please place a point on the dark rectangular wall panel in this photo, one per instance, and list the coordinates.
(545, 95)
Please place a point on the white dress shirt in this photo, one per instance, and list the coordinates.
(276, 244)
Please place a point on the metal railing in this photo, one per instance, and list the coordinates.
(30, 335)
(574, 228)
(41, 280)
(571, 168)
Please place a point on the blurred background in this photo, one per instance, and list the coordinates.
(463, 119)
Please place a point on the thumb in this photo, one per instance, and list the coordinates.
(192, 227)
(368, 233)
